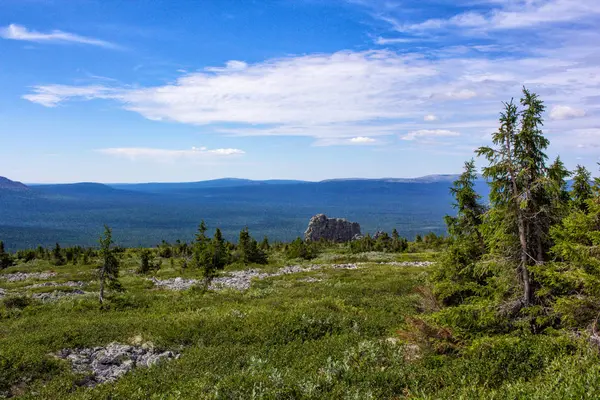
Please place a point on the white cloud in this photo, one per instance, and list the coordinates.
(385, 41)
(362, 140)
(168, 155)
(53, 95)
(334, 98)
(18, 32)
(565, 112)
(429, 133)
(430, 118)
(510, 14)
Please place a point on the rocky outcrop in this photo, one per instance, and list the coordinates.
(332, 229)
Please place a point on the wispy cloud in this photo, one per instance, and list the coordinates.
(18, 32)
(162, 155)
(503, 15)
(376, 94)
(429, 133)
(362, 140)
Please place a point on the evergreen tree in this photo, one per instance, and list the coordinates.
(581, 190)
(214, 257)
(201, 235)
(5, 258)
(249, 250)
(468, 207)
(109, 269)
(525, 194)
(457, 276)
(57, 255)
(148, 262)
(264, 245)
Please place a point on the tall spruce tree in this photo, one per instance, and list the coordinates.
(109, 269)
(525, 194)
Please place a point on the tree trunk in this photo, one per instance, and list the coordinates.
(524, 270)
(102, 286)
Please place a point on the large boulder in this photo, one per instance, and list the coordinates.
(333, 229)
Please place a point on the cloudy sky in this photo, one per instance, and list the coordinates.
(134, 91)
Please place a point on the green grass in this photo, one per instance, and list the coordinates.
(282, 339)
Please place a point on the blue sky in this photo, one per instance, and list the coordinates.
(134, 91)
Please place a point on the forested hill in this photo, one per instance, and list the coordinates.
(7, 184)
(147, 214)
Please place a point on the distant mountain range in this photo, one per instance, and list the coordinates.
(7, 184)
(146, 213)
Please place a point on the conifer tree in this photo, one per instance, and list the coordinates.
(581, 190)
(214, 257)
(5, 258)
(525, 194)
(109, 269)
(249, 249)
(469, 209)
(57, 255)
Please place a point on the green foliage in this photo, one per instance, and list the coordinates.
(383, 243)
(214, 256)
(250, 252)
(108, 271)
(458, 277)
(148, 263)
(5, 259)
(581, 190)
(301, 249)
(57, 256)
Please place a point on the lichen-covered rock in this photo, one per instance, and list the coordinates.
(56, 295)
(22, 276)
(332, 229)
(107, 364)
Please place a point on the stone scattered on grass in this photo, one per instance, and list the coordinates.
(175, 283)
(2, 293)
(107, 364)
(345, 266)
(409, 263)
(57, 294)
(241, 280)
(21, 276)
(310, 280)
(57, 284)
(238, 280)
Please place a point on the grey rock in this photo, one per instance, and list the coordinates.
(237, 280)
(175, 283)
(107, 364)
(409, 263)
(345, 266)
(57, 294)
(21, 276)
(2, 293)
(56, 284)
(332, 229)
